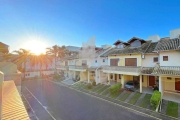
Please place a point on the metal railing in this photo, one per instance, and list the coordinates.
(77, 67)
(123, 68)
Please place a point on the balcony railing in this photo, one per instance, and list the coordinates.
(123, 68)
(62, 67)
(77, 67)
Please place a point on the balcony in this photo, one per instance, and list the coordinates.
(127, 70)
(77, 68)
(62, 67)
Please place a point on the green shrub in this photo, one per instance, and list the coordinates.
(94, 83)
(89, 86)
(155, 99)
(115, 88)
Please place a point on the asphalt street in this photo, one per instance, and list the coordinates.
(53, 101)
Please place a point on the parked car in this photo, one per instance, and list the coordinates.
(132, 85)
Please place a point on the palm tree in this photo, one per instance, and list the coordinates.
(57, 52)
(22, 56)
(42, 60)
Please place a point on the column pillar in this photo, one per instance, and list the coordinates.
(122, 80)
(1, 92)
(88, 77)
(160, 85)
(140, 84)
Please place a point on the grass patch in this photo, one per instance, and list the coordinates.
(125, 96)
(106, 92)
(135, 98)
(97, 87)
(172, 109)
(115, 94)
(146, 101)
(102, 89)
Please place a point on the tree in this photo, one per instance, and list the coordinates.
(22, 56)
(42, 60)
(57, 52)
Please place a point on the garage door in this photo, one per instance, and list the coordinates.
(130, 61)
(177, 84)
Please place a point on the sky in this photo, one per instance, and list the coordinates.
(37, 24)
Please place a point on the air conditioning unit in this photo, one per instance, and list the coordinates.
(143, 56)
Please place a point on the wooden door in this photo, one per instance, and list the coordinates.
(115, 77)
(177, 84)
(130, 61)
(151, 80)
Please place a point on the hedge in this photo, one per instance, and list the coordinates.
(155, 99)
(115, 88)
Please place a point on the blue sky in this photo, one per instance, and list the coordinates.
(71, 22)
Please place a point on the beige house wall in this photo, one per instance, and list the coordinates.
(145, 82)
(83, 76)
(169, 85)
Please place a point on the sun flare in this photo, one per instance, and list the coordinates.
(36, 45)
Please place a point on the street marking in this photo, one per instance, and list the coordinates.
(41, 104)
(30, 107)
(111, 102)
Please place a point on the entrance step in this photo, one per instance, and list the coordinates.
(140, 99)
(164, 106)
(130, 96)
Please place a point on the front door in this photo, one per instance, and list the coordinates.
(151, 80)
(177, 84)
(115, 77)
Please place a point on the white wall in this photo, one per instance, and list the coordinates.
(148, 60)
(174, 33)
(173, 58)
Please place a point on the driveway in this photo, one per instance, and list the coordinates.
(64, 103)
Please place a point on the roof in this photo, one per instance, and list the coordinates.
(167, 70)
(135, 38)
(12, 105)
(119, 41)
(151, 47)
(129, 49)
(166, 45)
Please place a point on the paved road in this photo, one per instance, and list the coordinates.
(64, 103)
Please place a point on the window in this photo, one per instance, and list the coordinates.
(103, 60)
(136, 43)
(114, 62)
(120, 46)
(84, 62)
(165, 58)
(95, 61)
(130, 61)
(155, 59)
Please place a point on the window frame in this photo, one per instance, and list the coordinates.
(167, 58)
(157, 60)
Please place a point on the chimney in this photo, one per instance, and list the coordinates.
(154, 38)
(175, 33)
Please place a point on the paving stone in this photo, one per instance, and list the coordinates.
(140, 99)
(130, 96)
(121, 95)
(164, 106)
(104, 91)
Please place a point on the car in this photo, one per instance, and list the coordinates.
(132, 85)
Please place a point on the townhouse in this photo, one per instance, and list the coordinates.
(128, 60)
(86, 64)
